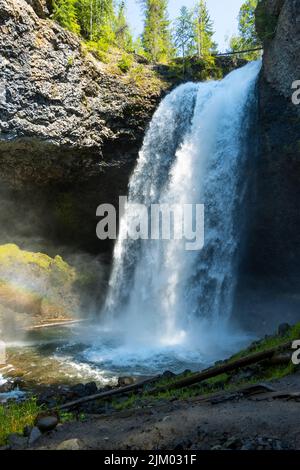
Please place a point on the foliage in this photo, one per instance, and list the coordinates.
(121, 29)
(156, 38)
(247, 38)
(12, 257)
(266, 23)
(193, 33)
(125, 63)
(65, 13)
(15, 416)
(97, 21)
(203, 30)
(184, 34)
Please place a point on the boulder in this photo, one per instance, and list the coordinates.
(47, 423)
(70, 444)
(35, 434)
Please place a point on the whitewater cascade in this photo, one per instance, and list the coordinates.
(196, 151)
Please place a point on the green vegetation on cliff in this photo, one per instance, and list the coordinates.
(36, 284)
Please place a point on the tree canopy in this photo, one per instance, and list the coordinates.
(247, 38)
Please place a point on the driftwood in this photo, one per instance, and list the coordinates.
(224, 368)
(52, 325)
(186, 382)
(109, 393)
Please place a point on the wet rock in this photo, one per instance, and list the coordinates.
(34, 436)
(217, 447)
(284, 329)
(233, 443)
(125, 381)
(242, 375)
(91, 388)
(47, 423)
(70, 444)
(168, 374)
(79, 390)
(17, 442)
(248, 445)
(277, 217)
(27, 430)
(7, 387)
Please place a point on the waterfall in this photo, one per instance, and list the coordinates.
(196, 151)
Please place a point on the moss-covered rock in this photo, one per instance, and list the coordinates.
(36, 284)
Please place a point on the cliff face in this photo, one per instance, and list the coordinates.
(69, 129)
(276, 241)
(273, 258)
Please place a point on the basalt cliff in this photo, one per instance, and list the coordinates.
(70, 128)
(270, 278)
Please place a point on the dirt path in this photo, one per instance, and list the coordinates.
(243, 423)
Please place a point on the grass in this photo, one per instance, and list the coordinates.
(15, 416)
(269, 343)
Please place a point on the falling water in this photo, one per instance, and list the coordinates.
(196, 151)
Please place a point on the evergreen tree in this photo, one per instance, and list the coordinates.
(203, 30)
(156, 37)
(121, 28)
(247, 38)
(96, 19)
(64, 12)
(184, 34)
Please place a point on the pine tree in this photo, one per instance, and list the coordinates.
(247, 38)
(203, 30)
(156, 36)
(184, 34)
(96, 19)
(121, 28)
(64, 12)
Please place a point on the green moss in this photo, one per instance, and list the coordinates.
(11, 256)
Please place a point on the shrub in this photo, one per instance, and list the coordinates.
(125, 63)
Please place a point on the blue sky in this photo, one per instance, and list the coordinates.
(223, 12)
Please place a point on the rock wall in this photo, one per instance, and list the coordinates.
(272, 267)
(276, 241)
(70, 130)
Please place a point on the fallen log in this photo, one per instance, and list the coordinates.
(279, 360)
(53, 324)
(186, 382)
(108, 394)
(224, 368)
